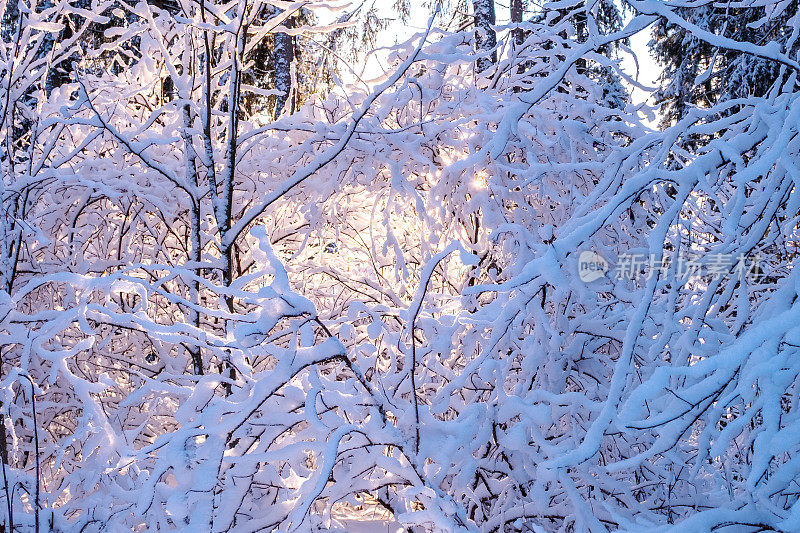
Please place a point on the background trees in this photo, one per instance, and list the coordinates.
(699, 73)
(235, 300)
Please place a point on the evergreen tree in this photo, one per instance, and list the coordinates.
(696, 73)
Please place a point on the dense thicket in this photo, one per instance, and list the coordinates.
(219, 313)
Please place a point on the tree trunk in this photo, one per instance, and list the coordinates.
(284, 55)
(517, 9)
(485, 36)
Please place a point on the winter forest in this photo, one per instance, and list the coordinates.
(248, 283)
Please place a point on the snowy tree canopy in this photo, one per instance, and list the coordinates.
(246, 289)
